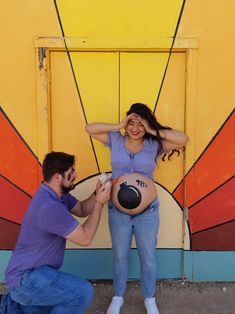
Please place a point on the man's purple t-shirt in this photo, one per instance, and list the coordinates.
(42, 235)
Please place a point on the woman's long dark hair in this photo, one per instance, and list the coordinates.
(144, 112)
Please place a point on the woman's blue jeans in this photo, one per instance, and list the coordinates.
(47, 290)
(144, 227)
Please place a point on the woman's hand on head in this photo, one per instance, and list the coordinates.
(124, 122)
(148, 129)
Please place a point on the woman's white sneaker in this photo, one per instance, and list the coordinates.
(151, 307)
(115, 305)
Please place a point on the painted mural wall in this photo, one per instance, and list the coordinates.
(65, 63)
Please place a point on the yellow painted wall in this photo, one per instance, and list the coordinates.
(21, 22)
(211, 22)
(197, 93)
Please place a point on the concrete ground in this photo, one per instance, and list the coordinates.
(173, 297)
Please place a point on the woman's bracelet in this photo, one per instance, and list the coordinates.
(99, 203)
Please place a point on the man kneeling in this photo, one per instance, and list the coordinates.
(35, 285)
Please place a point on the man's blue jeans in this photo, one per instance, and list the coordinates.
(47, 290)
(144, 227)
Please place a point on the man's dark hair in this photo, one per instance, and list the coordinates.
(56, 162)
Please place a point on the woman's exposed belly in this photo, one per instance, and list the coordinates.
(132, 193)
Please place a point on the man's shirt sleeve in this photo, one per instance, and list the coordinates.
(55, 218)
(69, 200)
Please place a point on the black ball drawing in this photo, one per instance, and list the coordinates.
(129, 196)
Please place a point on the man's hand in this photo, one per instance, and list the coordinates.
(98, 186)
(84, 233)
(103, 193)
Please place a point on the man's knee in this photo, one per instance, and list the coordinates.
(88, 293)
(83, 296)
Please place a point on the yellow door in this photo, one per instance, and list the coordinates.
(100, 86)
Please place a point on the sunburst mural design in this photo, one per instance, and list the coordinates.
(20, 173)
(209, 183)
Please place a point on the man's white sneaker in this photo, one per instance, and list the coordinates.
(151, 306)
(115, 305)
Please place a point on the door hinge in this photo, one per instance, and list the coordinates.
(41, 56)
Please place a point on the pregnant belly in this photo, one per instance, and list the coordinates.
(132, 193)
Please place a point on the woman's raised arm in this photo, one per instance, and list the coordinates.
(172, 139)
(100, 130)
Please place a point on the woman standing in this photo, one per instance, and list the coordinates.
(133, 209)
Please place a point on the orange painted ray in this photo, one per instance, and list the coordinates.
(17, 161)
(212, 240)
(13, 201)
(215, 209)
(8, 234)
(215, 166)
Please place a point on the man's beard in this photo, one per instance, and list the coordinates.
(66, 189)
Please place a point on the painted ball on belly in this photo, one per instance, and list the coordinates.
(129, 196)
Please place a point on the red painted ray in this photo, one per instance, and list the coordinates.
(215, 209)
(8, 234)
(214, 167)
(17, 162)
(13, 202)
(218, 238)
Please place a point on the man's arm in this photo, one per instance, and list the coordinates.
(84, 234)
(84, 208)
